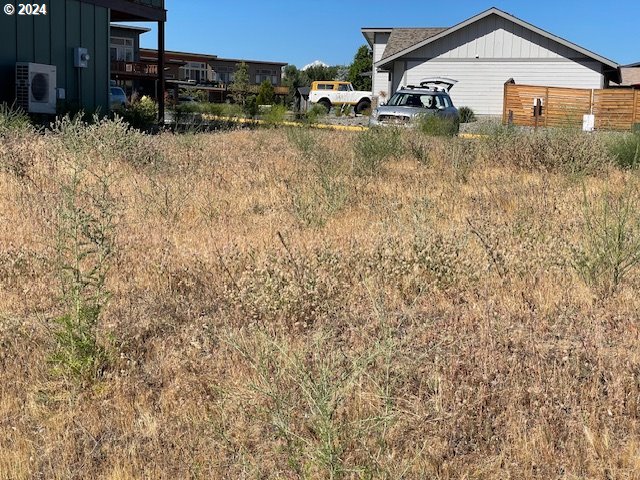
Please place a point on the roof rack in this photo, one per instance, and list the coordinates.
(431, 89)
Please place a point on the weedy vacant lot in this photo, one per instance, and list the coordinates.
(302, 304)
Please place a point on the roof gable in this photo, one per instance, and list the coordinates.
(404, 38)
(388, 58)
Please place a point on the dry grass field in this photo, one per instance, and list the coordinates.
(300, 304)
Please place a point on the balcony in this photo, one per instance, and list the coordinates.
(134, 69)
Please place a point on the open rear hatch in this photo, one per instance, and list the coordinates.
(438, 83)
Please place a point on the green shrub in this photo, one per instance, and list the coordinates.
(315, 113)
(626, 150)
(466, 115)
(266, 93)
(142, 115)
(610, 247)
(220, 109)
(276, 114)
(13, 118)
(435, 125)
(344, 110)
(374, 147)
(78, 354)
(251, 106)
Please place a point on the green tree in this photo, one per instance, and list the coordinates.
(318, 73)
(240, 86)
(292, 78)
(266, 94)
(362, 62)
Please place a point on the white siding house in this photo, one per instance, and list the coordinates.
(482, 53)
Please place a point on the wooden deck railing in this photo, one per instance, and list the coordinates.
(142, 69)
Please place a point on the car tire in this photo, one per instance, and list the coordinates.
(362, 106)
(326, 104)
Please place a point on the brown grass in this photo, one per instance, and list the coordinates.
(421, 322)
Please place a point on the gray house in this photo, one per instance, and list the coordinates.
(482, 53)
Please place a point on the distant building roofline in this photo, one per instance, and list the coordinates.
(240, 60)
(154, 52)
(130, 27)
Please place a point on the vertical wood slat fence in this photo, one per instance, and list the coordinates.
(614, 108)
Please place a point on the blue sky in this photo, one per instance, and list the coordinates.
(301, 32)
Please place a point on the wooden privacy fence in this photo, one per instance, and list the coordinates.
(613, 108)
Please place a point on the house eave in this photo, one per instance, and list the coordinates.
(370, 32)
(131, 11)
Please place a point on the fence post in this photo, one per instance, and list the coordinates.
(636, 107)
(511, 81)
(537, 110)
(504, 104)
(546, 106)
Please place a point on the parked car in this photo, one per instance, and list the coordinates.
(411, 103)
(117, 98)
(330, 93)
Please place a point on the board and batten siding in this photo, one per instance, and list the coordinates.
(50, 39)
(380, 80)
(484, 55)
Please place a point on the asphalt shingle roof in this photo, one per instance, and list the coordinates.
(403, 38)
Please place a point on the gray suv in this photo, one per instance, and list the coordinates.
(411, 102)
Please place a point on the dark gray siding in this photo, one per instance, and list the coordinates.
(50, 40)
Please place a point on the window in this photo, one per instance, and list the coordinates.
(443, 102)
(268, 75)
(344, 87)
(226, 77)
(121, 49)
(224, 73)
(419, 100)
(325, 86)
(196, 71)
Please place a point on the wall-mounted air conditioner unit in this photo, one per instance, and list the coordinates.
(36, 87)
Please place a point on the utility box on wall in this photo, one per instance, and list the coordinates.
(81, 57)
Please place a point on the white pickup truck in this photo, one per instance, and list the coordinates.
(330, 93)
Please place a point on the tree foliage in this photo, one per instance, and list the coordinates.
(362, 62)
(318, 73)
(240, 86)
(266, 94)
